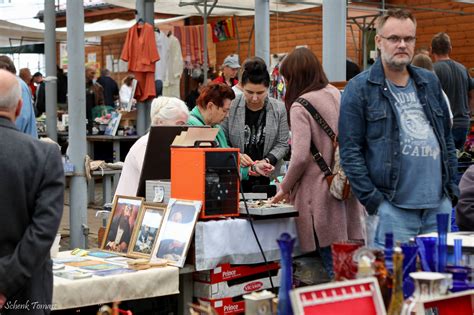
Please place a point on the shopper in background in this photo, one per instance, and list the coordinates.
(456, 83)
(165, 111)
(94, 96)
(25, 75)
(395, 137)
(257, 124)
(32, 193)
(61, 88)
(212, 108)
(26, 121)
(126, 90)
(194, 94)
(111, 91)
(465, 206)
(322, 219)
(424, 61)
(352, 69)
(230, 67)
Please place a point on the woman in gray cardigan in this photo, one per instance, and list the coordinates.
(257, 124)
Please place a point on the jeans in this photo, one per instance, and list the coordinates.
(407, 223)
(459, 137)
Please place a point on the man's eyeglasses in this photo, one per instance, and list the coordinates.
(394, 39)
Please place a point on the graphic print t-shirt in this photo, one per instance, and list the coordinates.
(255, 133)
(419, 185)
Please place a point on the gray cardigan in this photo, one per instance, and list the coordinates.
(276, 127)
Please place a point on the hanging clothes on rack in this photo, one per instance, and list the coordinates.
(161, 66)
(140, 52)
(174, 68)
(277, 84)
(191, 39)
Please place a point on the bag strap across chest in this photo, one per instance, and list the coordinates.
(317, 156)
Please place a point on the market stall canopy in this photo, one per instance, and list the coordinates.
(34, 30)
(223, 7)
(23, 49)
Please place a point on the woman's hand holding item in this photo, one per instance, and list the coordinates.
(280, 196)
(263, 168)
(245, 160)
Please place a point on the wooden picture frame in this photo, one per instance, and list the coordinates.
(176, 232)
(112, 127)
(147, 229)
(120, 229)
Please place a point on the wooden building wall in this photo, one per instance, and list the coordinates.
(286, 32)
(459, 27)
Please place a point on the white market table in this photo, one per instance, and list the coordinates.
(122, 287)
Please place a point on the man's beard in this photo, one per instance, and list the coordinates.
(398, 65)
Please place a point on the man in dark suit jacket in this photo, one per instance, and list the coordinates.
(31, 194)
(465, 206)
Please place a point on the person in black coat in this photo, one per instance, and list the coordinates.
(465, 206)
(111, 90)
(31, 194)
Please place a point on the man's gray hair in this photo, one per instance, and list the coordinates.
(9, 96)
(399, 14)
(167, 108)
(105, 72)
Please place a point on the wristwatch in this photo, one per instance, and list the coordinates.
(253, 167)
(253, 170)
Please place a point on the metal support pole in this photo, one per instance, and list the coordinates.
(150, 12)
(205, 14)
(51, 79)
(77, 120)
(334, 39)
(141, 106)
(364, 48)
(205, 64)
(150, 19)
(262, 30)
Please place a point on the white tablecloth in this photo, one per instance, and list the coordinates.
(130, 286)
(232, 241)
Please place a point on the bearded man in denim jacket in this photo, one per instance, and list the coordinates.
(395, 139)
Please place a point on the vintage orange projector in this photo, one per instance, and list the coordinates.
(208, 174)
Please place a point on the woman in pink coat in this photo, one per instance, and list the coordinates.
(322, 219)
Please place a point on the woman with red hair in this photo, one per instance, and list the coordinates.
(212, 107)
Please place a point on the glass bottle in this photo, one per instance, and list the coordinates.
(383, 277)
(286, 243)
(388, 251)
(396, 302)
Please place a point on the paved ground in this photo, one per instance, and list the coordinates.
(92, 221)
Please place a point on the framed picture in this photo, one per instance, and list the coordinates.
(147, 230)
(130, 101)
(176, 232)
(113, 125)
(123, 217)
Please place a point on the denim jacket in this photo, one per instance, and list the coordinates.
(369, 134)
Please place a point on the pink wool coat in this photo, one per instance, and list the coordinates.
(319, 213)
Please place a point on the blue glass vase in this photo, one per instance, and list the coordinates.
(427, 246)
(410, 251)
(443, 225)
(286, 243)
(388, 251)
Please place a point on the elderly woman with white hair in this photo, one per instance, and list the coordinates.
(165, 111)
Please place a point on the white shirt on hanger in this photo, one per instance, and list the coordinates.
(162, 44)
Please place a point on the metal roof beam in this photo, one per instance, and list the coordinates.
(415, 8)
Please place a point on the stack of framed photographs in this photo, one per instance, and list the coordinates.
(151, 230)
